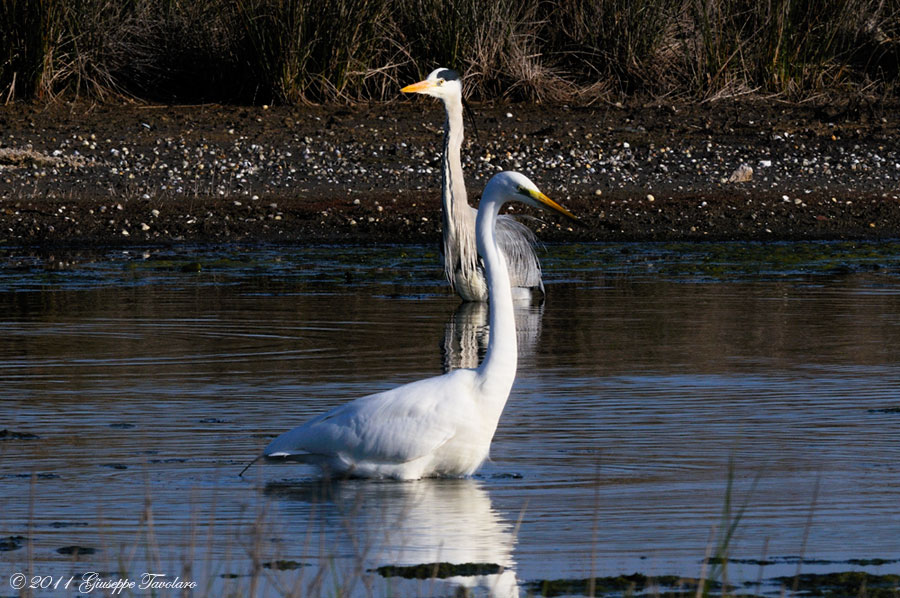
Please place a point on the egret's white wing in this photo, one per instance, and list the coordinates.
(394, 426)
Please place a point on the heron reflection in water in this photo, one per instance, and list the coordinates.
(467, 332)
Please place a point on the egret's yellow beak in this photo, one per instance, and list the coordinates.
(543, 200)
(419, 87)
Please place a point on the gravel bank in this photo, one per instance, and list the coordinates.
(77, 175)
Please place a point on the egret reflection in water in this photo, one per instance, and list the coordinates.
(396, 531)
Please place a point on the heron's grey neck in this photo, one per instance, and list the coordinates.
(498, 370)
(458, 217)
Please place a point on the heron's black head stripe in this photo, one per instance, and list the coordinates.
(448, 75)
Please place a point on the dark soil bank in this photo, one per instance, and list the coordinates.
(81, 175)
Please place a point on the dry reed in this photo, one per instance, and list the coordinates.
(293, 51)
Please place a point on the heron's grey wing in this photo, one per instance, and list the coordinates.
(517, 243)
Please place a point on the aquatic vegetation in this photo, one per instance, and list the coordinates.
(11, 543)
(850, 584)
(13, 435)
(723, 261)
(76, 551)
(636, 583)
(438, 570)
(283, 565)
(872, 562)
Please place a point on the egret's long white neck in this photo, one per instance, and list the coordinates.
(498, 370)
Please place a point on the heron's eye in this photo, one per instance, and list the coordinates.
(440, 81)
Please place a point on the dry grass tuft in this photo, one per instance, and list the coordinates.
(294, 51)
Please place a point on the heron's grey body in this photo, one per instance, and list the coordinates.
(461, 263)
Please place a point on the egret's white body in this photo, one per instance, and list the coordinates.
(516, 240)
(439, 426)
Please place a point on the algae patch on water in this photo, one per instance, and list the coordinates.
(636, 583)
(10, 543)
(849, 584)
(727, 261)
(438, 570)
(76, 551)
(13, 435)
(283, 565)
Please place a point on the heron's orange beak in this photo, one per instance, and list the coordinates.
(419, 87)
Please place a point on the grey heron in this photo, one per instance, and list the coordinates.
(461, 265)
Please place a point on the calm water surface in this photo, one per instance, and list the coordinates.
(663, 393)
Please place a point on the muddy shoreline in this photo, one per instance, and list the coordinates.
(77, 175)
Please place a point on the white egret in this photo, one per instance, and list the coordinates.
(440, 426)
(516, 240)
